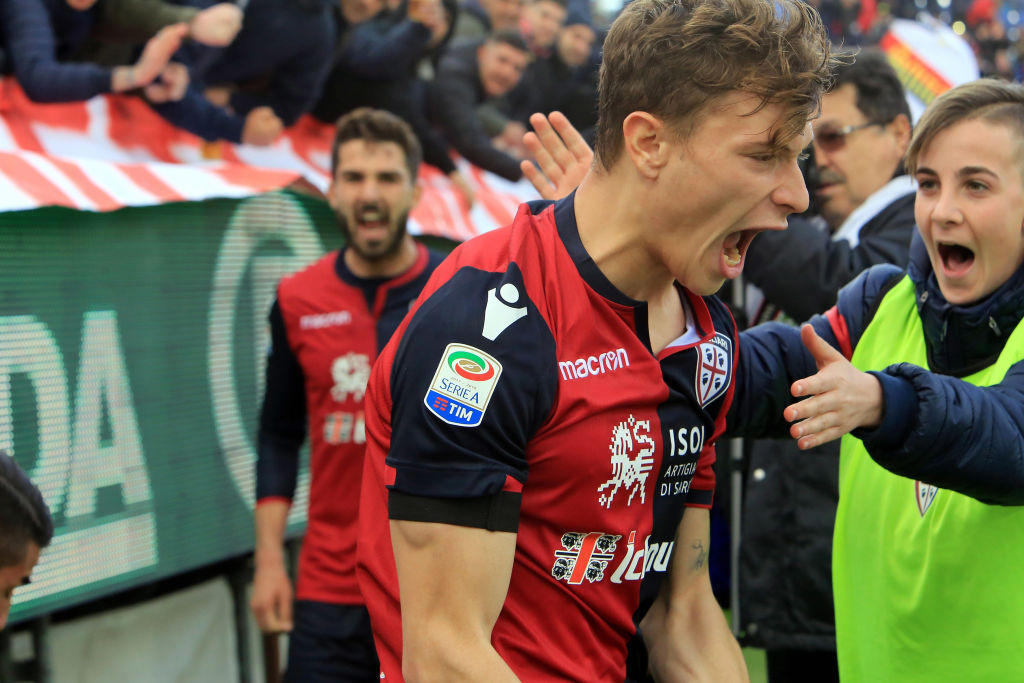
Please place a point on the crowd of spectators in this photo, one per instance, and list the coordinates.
(466, 74)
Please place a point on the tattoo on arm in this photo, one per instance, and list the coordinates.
(701, 554)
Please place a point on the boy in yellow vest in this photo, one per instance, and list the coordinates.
(921, 374)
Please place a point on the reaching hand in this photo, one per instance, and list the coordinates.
(271, 601)
(171, 86)
(463, 187)
(217, 25)
(261, 127)
(842, 397)
(430, 13)
(561, 153)
(157, 54)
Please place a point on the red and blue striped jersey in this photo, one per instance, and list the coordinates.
(522, 395)
(332, 325)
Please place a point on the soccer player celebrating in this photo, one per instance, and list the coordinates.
(327, 326)
(540, 433)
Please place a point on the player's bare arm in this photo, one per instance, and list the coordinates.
(453, 581)
(271, 601)
(685, 631)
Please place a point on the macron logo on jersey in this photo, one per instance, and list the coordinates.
(500, 313)
(609, 361)
(462, 385)
(322, 320)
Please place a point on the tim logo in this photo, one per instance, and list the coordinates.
(925, 494)
(632, 460)
(462, 385)
(584, 556)
(350, 373)
(714, 368)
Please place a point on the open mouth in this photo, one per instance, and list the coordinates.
(734, 248)
(370, 218)
(956, 258)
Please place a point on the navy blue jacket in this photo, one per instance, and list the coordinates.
(935, 427)
(455, 97)
(38, 35)
(287, 41)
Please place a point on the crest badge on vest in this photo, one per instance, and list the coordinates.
(925, 494)
(714, 368)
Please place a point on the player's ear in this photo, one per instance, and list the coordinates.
(645, 138)
(417, 192)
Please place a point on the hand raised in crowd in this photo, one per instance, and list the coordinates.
(219, 95)
(463, 187)
(430, 13)
(151, 63)
(511, 139)
(217, 25)
(842, 397)
(171, 85)
(561, 153)
(262, 126)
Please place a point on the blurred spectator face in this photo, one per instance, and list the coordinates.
(544, 19)
(855, 156)
(575, 43)
(501, 67)
(81, 5)
(356, 11)
(13, 576)
(504, 14)
(372, 194)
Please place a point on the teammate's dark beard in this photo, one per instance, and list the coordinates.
(390, 249)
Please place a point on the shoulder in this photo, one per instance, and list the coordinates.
(311, 285)
(859, 300)
(897, 215)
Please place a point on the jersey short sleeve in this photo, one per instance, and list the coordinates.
(473, 379)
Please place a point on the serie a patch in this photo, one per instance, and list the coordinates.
(463, 385)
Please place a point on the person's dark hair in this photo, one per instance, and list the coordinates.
(880, 95)
(510, 37)
(24, 516)
(672, 58)
(377, 125)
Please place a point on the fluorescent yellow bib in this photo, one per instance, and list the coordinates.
(929, 584)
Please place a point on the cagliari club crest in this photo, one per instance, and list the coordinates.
(925, 494)
(714, 368)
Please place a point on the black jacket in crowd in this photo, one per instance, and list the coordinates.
(790, 496)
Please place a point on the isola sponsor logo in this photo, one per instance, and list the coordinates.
(462, 386)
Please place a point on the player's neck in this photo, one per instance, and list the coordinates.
(391, 266)
(613, 225)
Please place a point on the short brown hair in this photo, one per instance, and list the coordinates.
(988, 99)
(671, 58)
(377, 125)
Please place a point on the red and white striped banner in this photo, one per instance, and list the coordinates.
(114, 151)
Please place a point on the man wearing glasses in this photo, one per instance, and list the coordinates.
(865, 215)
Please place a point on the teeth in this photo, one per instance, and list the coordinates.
(732, 256)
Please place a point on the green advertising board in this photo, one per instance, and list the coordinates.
(132, 346)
